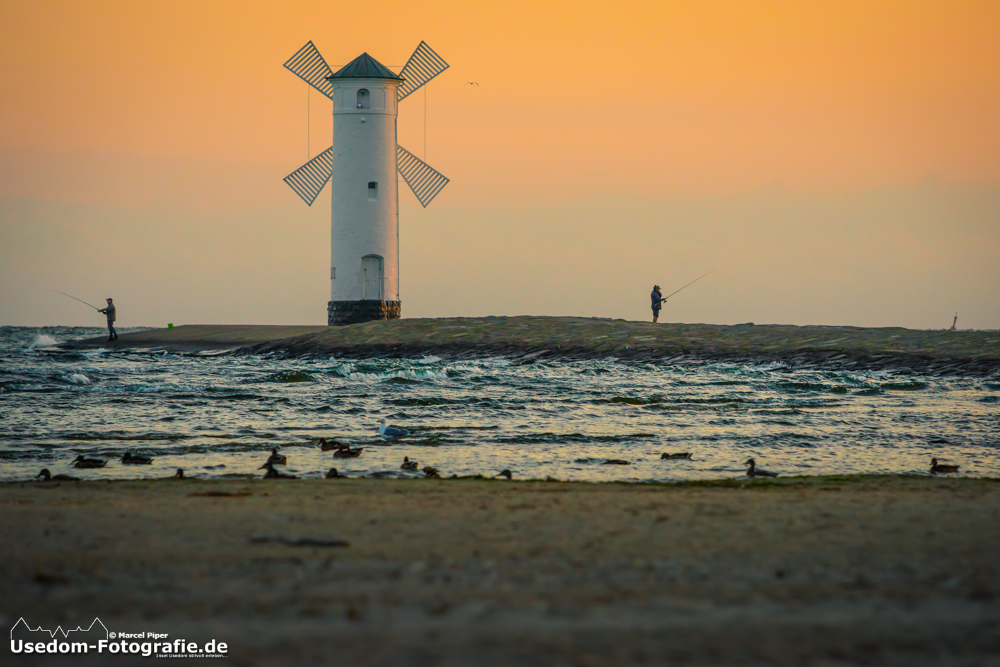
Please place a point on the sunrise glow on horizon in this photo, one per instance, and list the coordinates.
(748, 136)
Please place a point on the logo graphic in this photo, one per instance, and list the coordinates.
(91, 635)
(98, 639)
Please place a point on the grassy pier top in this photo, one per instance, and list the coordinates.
(531, 338)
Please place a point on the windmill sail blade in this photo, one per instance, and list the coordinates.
(308, 65)
(310, 178)
(422, 66)
(425, 182)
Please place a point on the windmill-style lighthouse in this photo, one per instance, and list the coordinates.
(362, 165)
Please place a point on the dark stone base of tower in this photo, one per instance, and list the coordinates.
(355, 312)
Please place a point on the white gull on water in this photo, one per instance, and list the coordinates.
(390, 432)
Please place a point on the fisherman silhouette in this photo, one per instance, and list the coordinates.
(110, 312)
(656, 297)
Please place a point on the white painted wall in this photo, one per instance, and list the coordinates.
(364, 150)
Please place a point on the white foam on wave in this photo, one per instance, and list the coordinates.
(428, 359)
(764, 367)
(495, 362)
(439, 373)
(865, 377)
(478, 367)
(747, 368)
(76, 378)
(153, 388)
(410, 374)
(43, 340)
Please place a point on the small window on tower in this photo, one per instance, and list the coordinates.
(363, 98)
(372, 191)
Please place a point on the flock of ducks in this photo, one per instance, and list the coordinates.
(340, 450)
(344, 451)
(86, 463)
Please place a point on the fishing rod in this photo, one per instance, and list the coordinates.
(686, 286)
(73, 297)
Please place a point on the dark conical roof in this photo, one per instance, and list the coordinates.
(364, 67)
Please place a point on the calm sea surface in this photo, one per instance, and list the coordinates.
(220, 416)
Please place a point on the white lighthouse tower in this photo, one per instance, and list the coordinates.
(362, 166)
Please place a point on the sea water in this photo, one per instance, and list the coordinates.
(219, 416)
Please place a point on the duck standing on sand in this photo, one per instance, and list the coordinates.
(274, 474)
(505, 473)
(49, 477)
(82, 461)
(431, 472)
(277, 459)
(178, 475)
(137, 460)
(679, 456)
(332, 474)
(754, 471)
(942, 467)
(390, 432)
(408, 464)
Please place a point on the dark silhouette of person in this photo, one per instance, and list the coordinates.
(110, 312)
(656, 297)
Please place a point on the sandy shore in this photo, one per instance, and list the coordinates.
(874, 570)
(527, 339)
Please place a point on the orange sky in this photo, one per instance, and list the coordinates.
(133, 103)
(648, 96)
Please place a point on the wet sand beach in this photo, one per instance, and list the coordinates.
(823, 570)
(974, 353)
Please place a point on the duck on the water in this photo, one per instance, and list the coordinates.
(505, 473)
(327, 445)
(332, 474)
(408, 464)
(277, 459)
(135, 459)
(754, 471)
(49, 477)
(431, 472)
(178, 475)
(679, 456)
(82, 461)
(347, 452)
(274, 474)
(942, 467)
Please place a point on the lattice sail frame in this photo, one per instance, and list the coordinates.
(308, 65)
(309, 179)
(422, 66)
(425, 181)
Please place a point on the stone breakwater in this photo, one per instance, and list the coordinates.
(528, 339)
